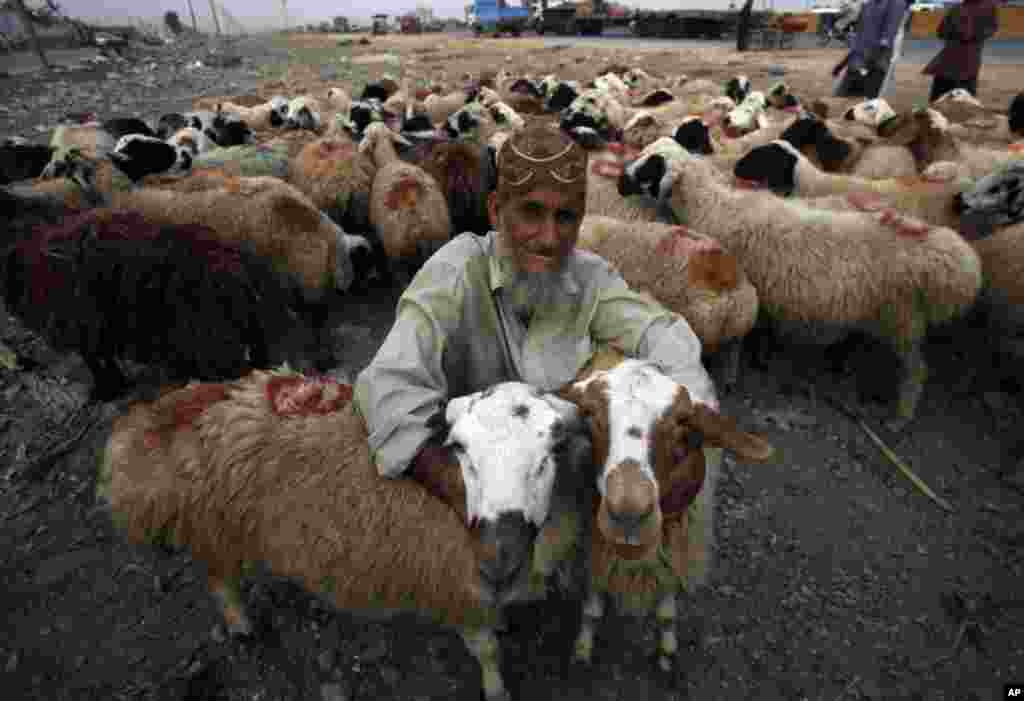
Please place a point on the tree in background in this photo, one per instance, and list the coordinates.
(173, 22)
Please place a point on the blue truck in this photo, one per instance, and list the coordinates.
(497, 17)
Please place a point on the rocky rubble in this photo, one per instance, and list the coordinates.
(136, 79)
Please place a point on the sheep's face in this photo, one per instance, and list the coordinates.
(737, 88)
(464, 123)
(747, 117)
(586, 111)
(229, 130)
(302, 117)
(647, 175)
(560, 97)
(525, 86)
(995, 200)
(773, 165)
(510, 441)
(168, 124)
(278, 110)
(625, 407)
(693, 135)
(870, 112)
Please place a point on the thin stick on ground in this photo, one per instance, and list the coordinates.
(888, 453)
(853, 682)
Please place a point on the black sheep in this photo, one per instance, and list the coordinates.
(23, 161)
(112, 286)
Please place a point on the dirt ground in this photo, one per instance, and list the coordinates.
(835, 578)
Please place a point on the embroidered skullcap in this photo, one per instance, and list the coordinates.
(541, 157)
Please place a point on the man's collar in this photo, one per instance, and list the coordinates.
(502, 272)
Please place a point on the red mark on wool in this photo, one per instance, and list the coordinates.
(680, 242)
(1016, 147)
(422, 93)
(198, 399)
(744, 184)
(336, 149)
(731, 131)
(404, 194)
(866, 201)
(904, 226)
(306, 396)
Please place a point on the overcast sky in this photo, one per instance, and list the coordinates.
(261, 12)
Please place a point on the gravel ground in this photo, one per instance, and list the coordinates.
(835, 578)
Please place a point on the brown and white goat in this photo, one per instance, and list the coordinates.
(657, 449)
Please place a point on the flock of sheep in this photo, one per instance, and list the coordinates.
(198, 242)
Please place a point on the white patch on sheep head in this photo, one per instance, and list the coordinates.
(504, 438)
(640, 177)
(638, 394)
(871, 112)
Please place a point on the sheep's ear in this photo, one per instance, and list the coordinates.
(722, 431)
(457, 407)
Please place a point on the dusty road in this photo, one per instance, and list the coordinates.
(834, 580)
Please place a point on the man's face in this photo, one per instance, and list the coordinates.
(539, 229)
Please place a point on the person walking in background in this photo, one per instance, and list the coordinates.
(872, 49)
(964, 28)
(743, 26)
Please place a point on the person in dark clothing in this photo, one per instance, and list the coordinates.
(743, 26)
(965, 28)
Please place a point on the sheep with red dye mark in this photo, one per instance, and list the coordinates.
(275, 469)
(687, 272)
(113, 286)
(822, 271)
(408, 209)
(657, 447)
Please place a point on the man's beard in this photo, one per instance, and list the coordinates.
(530, 292)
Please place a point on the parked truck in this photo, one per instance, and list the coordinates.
(591, 17)
(497, 17)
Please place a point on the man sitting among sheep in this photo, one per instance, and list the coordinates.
(521, 303)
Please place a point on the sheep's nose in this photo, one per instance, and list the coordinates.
(507, 546)
(629, 185)
(631, 521)
(958, 203)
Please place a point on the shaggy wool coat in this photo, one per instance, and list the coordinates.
(455, 334)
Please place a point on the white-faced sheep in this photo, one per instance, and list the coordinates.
(878, 271)
(747, 116)
(595, 117)
(685, 271)
(113, 286)
(930, 196)
(275, 468)
(657, 448)
(408, 209)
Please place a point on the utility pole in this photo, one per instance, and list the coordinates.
(195, 27)
(30, 27)
(284, 15)
(216, 21)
